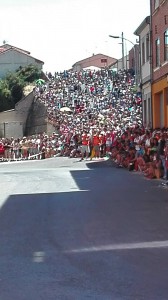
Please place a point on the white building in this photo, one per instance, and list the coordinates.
(11, 58)
(143, 31)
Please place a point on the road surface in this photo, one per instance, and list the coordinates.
(74, 230)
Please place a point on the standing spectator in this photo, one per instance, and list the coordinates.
(161, 153)
(2, 150)
(85, 147)
(96, 145)
(166, 161)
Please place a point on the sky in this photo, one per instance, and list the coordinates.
(62, 32)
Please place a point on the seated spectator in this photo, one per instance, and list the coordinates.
(154, 166)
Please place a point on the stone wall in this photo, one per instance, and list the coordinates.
(11, 129)
(13, 122)
(36, 121)
(29, 117)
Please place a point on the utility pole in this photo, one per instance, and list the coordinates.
(122, 39)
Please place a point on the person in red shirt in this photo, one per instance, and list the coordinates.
(85, 147)
(2, 150)
(96, 146)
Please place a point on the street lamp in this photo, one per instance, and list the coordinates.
(122, 42)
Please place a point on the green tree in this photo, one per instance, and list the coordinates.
(6, 101)
(11, 88)
(15, 85)
(29, 73)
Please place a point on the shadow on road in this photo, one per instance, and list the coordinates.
(38, 233)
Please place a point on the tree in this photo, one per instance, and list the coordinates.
(11, 88)
(6, 101)
(29, 73)
(15, 85)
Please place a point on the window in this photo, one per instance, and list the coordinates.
(147, 47)
(157, 46)
(143, 53)
(156, 4)
(166, 45)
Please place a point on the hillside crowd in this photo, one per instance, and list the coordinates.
(95, 114)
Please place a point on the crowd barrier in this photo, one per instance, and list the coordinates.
(23, 154)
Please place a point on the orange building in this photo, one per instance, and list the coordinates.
(160, 103)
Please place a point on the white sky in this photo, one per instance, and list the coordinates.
(61, 32)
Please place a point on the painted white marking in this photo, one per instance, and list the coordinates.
(129, 246)
(38, 257)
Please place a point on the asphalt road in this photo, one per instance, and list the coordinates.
(74, 230)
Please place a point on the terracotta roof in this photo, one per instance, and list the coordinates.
(20, 51)
(7, 46)
(2, 49)
(94, 56)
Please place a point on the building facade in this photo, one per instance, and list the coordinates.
(159, 33)
(96, 60)
(143, 31)
(134, 62)
(11, 58)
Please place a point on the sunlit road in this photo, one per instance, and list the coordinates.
(74, 230)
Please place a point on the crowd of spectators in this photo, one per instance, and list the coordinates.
(95, 114)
